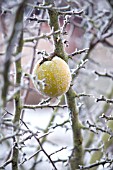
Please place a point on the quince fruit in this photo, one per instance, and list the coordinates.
(53, 77)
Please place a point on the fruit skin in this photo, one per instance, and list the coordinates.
(56, 75)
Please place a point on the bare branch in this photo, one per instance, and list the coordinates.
(44, 106)
(102, 98)
(106, 117)
(108, 131)
(110, 161)
(78, 52)
(107, 75)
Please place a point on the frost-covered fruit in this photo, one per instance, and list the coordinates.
(53, 77)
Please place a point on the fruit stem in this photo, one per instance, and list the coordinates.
(54, 24)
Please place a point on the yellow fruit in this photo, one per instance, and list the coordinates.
(54, 75)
